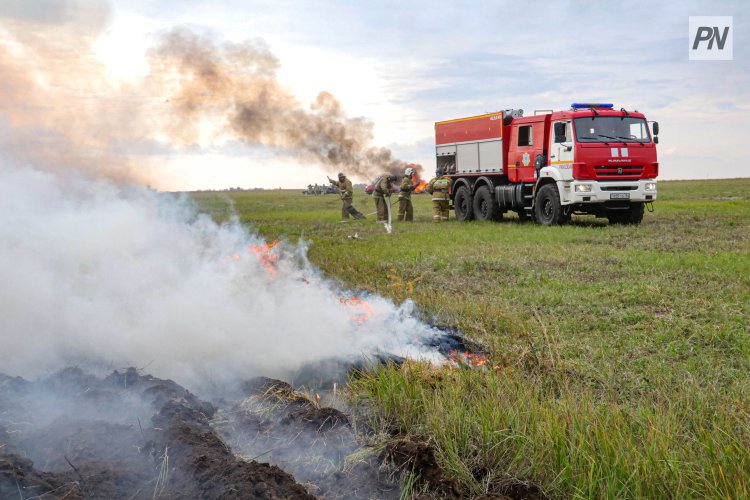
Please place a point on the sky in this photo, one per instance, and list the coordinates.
(395, 66)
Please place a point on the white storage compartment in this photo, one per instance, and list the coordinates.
(491, 156)
(467, 158)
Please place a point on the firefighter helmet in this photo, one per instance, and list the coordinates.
(409, 171)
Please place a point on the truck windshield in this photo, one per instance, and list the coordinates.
(611, 129)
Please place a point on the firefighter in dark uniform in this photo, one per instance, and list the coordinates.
(346, 192)
(405, 207)
(383, 190)
(439, 188)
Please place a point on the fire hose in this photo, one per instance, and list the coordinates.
(388, 225)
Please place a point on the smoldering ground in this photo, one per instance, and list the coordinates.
(127, 435)
(59, 108)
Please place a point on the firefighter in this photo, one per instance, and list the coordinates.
(347, 194)
(383, 190)
(439, 188)
(405, 208)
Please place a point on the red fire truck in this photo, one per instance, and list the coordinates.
(591, 159)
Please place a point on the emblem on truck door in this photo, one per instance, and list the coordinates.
(526, 159)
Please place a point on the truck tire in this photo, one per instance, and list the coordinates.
(547, 208)
(632, 216)
(484, 205)
(462, 204)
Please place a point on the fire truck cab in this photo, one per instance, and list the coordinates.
(590, 159)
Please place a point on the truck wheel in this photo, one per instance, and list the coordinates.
(547, 208)
(634, 215)
(618, 217)
(484, 206)
(462, 204)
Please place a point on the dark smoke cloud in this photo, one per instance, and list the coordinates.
(235, 85)
(59, 109)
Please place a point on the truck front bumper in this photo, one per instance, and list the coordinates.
(640, 191)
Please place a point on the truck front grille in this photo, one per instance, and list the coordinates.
(605, 172)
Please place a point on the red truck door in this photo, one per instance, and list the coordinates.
(526, 141)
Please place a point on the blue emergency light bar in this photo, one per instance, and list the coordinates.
(588, 105)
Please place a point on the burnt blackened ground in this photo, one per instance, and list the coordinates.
(73, 435)
(129, 435)
(316, 444)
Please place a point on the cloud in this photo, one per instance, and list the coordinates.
(92, 15)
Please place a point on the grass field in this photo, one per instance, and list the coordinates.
(621, 355)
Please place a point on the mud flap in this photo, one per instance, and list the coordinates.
(354, 212)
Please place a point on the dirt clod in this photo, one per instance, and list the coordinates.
(321, 419)
(419, 458)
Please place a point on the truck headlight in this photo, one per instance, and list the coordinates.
(650, 186)
(583, 188)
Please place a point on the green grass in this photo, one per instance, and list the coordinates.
(621, 355)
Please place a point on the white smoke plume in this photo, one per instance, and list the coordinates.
(96, 272)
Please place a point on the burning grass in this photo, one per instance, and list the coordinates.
(360, 309)
(265, 256)
(619, 355)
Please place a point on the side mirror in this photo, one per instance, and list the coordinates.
(568, 148)
(656, 128)
(656, 139)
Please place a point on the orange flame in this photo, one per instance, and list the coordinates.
(469, 359)
(361, 311)
(264, 255)
(420, 186)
